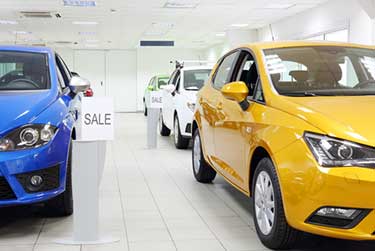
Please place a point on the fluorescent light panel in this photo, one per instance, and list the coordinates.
(79, 3)
(85, 23)
(8, 22)
(240, 25)
(178, 4)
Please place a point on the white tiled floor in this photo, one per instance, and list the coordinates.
(150, 201)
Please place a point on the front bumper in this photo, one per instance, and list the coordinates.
(306, 187)
(17, 167)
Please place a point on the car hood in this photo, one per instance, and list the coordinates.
(191, 96)
(350, 118)
(19, 108)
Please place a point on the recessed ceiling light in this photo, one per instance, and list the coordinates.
(85, 22)
(178, 4)
(240, 25)
(87, 33)
(21, 32)
(8, 22)
(79, 3)
(220, 34)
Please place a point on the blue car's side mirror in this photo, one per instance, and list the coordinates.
(78, 84)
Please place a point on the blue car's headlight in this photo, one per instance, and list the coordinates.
(29, 136)
(332, 152)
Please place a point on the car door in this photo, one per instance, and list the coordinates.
(168, 100)
(208, 99)
(235, 125)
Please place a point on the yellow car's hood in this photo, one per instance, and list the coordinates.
(351, 118)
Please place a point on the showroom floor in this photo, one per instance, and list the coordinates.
(150, 201)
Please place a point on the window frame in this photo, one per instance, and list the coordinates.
(220, 64)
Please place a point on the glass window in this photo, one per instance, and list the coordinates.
(195, 79)
(248, 72)
(224, 70)
(23, 71)
(162, 82)
(326, 70)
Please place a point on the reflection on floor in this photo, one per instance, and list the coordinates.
(150, 201)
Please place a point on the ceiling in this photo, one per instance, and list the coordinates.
(120, 24)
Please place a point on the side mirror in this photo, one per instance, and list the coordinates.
(74, 74)
(169, 88)
(237, 91)
(78, 84)
(150, 88)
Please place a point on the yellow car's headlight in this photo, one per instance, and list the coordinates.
(331, 152)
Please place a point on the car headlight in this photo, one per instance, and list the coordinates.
(331, 152)
(29, 136)
(191, 106)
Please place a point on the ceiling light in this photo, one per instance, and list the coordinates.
(178, 4)
(87, 33)
(21, 32)
(220, 34)
(79, 3)
(240, 25)
(8, 22)
(85, 23)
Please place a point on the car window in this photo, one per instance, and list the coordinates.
(23, 71)
(162, 81)
(247, 71)
(65, 67)
(64, 74)
(172, 78)
(195, 79)
(223, 72)
(322, 71)
(60, 79)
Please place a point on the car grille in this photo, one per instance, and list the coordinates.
(6, 192)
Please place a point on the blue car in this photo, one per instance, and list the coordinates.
(37, 126)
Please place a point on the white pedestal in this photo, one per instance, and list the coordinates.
(152, 125)
(87, 170)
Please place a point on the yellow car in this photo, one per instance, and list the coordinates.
(292, 124)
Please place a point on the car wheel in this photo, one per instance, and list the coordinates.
(145, 111)
(62, 205)
(203, 172)
(269, 217)
(164, 131)
(179, 141)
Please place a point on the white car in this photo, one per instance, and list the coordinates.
(179, 102)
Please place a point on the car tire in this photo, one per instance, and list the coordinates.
(203, 172)
(145, 111)
(164, 131)
(179, 141)
(62, 205)
(267, 201)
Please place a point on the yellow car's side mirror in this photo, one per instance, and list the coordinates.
(237, 91)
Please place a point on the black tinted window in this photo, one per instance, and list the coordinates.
(23, 71)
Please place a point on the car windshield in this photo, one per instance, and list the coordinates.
(322, 71)
(162, 82)
(20, 71)
(195, 79)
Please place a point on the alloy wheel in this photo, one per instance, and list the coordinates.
(264, 200)
(197, 153)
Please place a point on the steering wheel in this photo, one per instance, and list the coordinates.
(364, 84)
(24, 80)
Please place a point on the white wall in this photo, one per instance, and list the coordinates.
(127, 72)
(331, 16)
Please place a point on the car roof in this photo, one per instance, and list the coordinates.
(300, 43)
(37, 49)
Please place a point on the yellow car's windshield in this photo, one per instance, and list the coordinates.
(322, 70)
